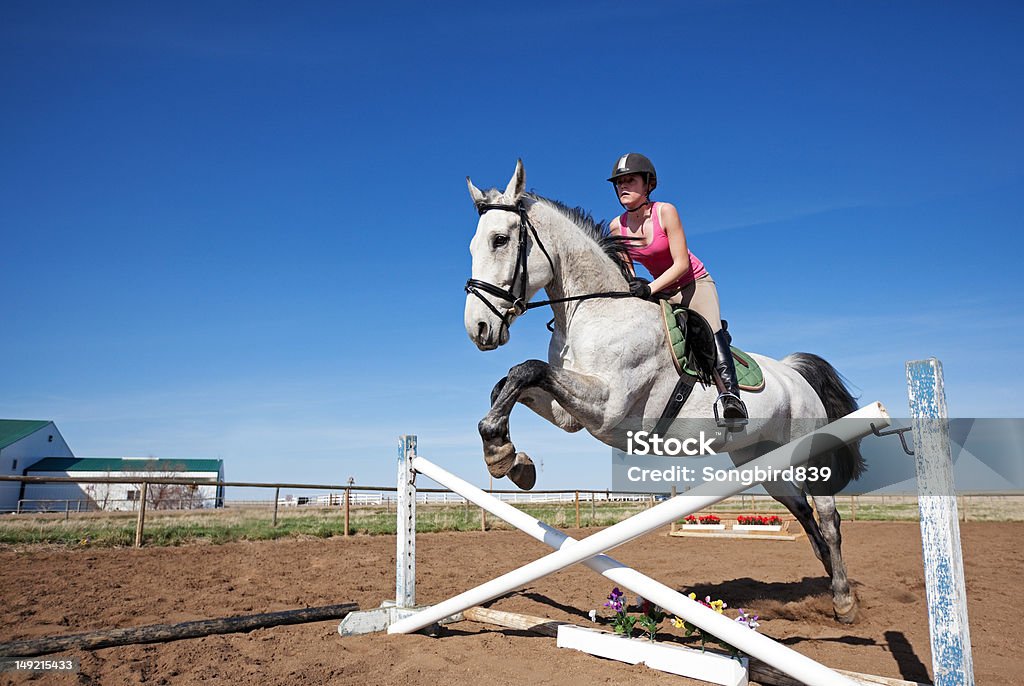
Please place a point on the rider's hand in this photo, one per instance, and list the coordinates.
(640, 288)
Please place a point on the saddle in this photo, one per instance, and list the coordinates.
(693, 348)
(693, 351)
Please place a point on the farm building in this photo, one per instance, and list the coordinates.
(23, 442)
(123, 496)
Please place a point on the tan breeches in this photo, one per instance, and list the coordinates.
(701, 296)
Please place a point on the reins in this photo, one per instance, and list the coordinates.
(518, 302)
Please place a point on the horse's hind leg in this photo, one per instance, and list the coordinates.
(822, 532)
(795, 501)
(844, 601)
(825, 541)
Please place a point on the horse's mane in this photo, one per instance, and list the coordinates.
(615, 247)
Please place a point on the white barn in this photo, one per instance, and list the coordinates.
(124, 496)
(23, 442)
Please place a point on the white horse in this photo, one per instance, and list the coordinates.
(609, 364)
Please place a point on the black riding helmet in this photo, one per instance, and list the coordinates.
(635, 163)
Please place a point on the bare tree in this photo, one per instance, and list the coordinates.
(93, 493)
(162, 496)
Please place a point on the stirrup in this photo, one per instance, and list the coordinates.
(731, 423)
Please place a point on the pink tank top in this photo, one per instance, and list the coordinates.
(657, 257)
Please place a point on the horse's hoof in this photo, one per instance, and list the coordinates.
(500, 459)
(846, 614)
(523, 474)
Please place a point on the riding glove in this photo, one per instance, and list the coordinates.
(640, 288)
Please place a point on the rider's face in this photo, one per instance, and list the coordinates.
(630, 188)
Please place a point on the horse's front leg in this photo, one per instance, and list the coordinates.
(583, 397)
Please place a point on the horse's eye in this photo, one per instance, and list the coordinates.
(500, 240)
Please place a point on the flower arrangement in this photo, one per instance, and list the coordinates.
(650, 619)
(759, 520)
(703, 519)
(751, 620)
(622, 622)
(651, 616)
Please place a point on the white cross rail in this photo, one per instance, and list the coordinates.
(569, 551)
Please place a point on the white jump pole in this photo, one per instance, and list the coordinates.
(850, 428)
(952, 662)
(781, 657)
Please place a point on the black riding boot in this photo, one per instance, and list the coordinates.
(734, 412)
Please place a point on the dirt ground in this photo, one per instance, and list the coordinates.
(52, 591)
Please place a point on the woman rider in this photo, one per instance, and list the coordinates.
(658, 242)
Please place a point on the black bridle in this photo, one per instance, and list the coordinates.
(518, 302)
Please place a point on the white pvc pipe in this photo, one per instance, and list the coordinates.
(781, 657)
(845, 430)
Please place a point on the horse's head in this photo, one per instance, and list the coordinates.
(503, 277)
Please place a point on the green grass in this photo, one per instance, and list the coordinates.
(163, 528)
(256, 524)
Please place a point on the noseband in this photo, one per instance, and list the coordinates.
(518, 302)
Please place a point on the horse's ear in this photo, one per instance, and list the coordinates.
(475, 193)
(516, 186)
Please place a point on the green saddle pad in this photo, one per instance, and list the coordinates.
(748, 372)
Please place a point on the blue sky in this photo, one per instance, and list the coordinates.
(241, 230)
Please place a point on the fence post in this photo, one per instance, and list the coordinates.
(347, 510)
(952, 662)
(277, 498)
(593, 516)
(853, 508)
(577, 509)
(142, 515)
(672, 526)
(483, 512)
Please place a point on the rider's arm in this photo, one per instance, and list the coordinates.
(677, 245)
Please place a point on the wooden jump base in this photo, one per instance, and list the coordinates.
(790, 531)
(403, 618)
(747, 535)
(159, 633)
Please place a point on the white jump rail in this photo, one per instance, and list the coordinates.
(589, 550)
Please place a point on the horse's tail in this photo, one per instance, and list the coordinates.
(838, 402)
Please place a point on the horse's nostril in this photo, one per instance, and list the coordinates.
(481, 330)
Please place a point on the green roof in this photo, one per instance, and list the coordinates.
(13, 430)
(124, 464)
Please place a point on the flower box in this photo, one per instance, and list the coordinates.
(707, 665)
(757, 527)
(703, 527)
